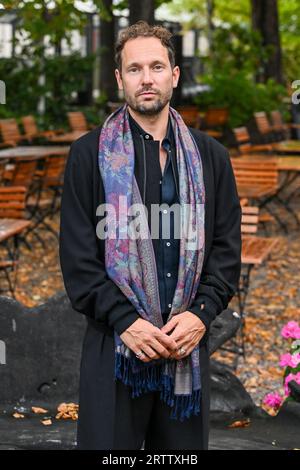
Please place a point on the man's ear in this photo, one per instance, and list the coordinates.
(119, 79)
(176, 75)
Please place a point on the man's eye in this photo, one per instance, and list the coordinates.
(158, 67)
(133, 69)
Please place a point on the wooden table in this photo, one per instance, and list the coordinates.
(290, 167)
(11, 227)
(288, 147)
(69, 137)
(251, 191)
(36, 151)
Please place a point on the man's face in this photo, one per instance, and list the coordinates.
(147, 77)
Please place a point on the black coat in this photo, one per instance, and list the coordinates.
(105, 406)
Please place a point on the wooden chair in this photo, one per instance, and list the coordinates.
(3, 166)
(40, 204)
(190, 115)
(244, 144)
(78, 122)
(31, 130)
(12, 225)
(10, 133)
(280, 127)
(255, 251)
(266, 129)
(258, 181)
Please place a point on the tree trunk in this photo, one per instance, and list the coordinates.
(210, 6)
(141, 10)
(265, 21)
(108, 83)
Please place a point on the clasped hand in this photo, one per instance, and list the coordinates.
(175, 340)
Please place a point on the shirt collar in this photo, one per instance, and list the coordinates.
(137, 128)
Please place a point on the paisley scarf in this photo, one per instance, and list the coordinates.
(131, 264)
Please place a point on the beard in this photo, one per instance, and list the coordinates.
(149, 108)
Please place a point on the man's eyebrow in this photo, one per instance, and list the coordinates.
(136, 64)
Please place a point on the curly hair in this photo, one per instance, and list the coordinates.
(143, 29)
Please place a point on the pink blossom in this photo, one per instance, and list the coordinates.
(288, 379)
(289, 360)
(291, 330)
(273, 400)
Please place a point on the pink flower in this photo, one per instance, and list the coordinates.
(288, 379)
(273, 400)
(289, 360)
(291, 330)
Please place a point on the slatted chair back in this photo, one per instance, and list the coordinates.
(23, 172)
(262, 122)
(242, 138)
(10, 132)
(12, 202)
(29, 125)
(3, 165)
(250, 219)
(77, 121)
(260, 173)
(54, 171)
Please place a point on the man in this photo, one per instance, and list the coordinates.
(149, 300)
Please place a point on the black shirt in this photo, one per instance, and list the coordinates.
(166, 249)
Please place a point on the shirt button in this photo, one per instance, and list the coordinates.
(160, 182)
(169, 274)
(168, 243)
(147, 136)
(170, 305)
(165, 211)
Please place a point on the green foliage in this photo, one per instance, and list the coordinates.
(64, 77)
(241, 95)
(22, 88)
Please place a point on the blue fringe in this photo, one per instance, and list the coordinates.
(149, 378)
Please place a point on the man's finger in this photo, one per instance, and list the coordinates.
(167, 341)
(169, 326)
(159, 348)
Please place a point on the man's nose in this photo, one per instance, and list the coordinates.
(147, 77)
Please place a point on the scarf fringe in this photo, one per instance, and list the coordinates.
(151, 378)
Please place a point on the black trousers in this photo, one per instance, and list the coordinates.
(110, 419)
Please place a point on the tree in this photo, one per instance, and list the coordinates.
(107, 40)
(141, 10)
(265, 21)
